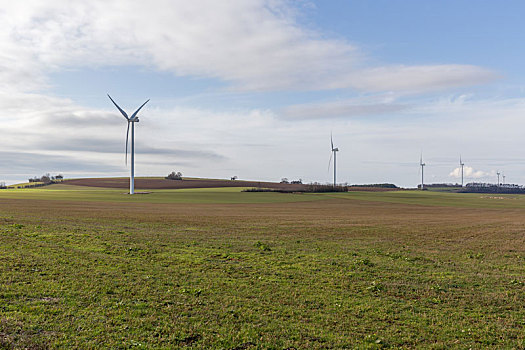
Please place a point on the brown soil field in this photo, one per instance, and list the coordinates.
(160, 183)
(428, 230)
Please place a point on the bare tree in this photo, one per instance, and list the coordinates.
(45, 178)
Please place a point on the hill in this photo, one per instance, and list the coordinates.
(151, 183)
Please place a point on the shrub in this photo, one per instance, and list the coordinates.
(174, 176)
(310, 188)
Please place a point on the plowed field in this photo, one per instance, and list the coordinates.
(160, 183)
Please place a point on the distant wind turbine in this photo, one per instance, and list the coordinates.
(461, 164)
(421, 164)
(333, 150)
(131, 120)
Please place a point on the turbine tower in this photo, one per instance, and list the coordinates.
(461, 164)
(131, 120)
(334, 150)
(498, 173)
(421, 164)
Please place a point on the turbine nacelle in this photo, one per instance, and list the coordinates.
(335, 149)
(134, 120)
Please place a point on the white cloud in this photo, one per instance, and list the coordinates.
(251, 44)
(50, 133)
(343, 108)
(421, 78)
(468, 172)
(55, 130)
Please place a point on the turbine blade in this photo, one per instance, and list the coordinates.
(330, 161)
(331, 141)
(127, 136)
(120, 109)
(134, 114)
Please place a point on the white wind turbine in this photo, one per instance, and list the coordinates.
(333, 150)
(421, 164)
(131, 120)
(461, 164)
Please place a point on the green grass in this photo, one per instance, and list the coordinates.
(431, 198)
(25, 184)
(452, 189)
(91, 268)
(205, 195)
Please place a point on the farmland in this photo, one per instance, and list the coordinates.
(87, 267)
(162, 183)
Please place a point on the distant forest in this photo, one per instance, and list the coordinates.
(477, 187)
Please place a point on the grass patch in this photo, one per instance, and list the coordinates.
(193, 195)
(431, 198)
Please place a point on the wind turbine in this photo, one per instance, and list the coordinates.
(334, 150)
(131, 120)
(461, 164)
(421, 164)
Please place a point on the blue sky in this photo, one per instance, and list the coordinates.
(254, 88)
(414, 32)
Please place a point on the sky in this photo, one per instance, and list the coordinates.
(255, 88)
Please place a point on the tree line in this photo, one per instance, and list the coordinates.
(47, 178)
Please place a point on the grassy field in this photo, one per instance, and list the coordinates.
(25, 184)
(194, 195)
(222, 269)
(429, 198)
